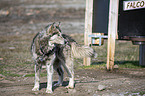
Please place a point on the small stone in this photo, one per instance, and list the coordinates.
(4, 12)
(116, 66)
(1, 59)
(101, 87)
(12, 48)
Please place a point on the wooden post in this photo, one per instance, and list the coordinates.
(112, 32)
(88, 27)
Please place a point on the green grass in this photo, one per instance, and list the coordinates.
(102, 66)
(8, 73)
(121, 65)
(32, 75)
(128, 65)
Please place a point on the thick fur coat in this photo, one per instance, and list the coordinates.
(56, 50)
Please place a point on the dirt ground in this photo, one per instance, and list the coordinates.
(20, 20)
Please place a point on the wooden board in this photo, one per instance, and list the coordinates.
(112, 32)
(88, 27)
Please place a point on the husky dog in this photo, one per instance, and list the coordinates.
(56, 50)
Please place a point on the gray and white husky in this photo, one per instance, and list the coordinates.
(56, 50)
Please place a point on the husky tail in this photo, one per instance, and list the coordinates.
(79, 51)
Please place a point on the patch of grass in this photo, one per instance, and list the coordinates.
(142, 92)
(129, 65)
(33, 74)
(43, 74)
(8, 73)
(30, 75)
(103, 66)
(99, 66)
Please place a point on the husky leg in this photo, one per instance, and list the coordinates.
(37, 78)
(49, 78)
(69, 64)
(60, 73)
(49, 67)
(66, 68)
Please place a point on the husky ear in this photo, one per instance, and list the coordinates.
(58, 27)
(58, 24)
(50, 29)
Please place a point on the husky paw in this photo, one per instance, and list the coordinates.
(35, 89)
(49, 91)
(57, 84)
(69, 87)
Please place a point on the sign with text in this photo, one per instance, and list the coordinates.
(131, 23)
(132, 5)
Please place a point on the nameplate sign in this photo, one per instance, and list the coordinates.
(133, 5)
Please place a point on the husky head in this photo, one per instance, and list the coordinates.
(53, 34)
